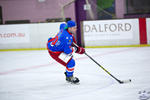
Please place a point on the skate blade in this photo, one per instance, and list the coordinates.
(73, 83)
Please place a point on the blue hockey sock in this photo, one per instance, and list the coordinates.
(70, 68)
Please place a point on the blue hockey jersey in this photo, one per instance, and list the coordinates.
(62, 42)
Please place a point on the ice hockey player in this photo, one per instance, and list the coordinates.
(61, 48)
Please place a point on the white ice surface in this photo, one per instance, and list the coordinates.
(34, 75)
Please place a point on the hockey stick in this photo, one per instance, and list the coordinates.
(120, 81)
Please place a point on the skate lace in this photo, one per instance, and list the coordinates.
(73, 78)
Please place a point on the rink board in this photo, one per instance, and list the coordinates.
(148, 29)
(100, 34)
(22, 36)
(111, 32)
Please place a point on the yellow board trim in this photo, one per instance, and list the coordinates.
(24, 49)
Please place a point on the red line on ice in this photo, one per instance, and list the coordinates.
(45, 65)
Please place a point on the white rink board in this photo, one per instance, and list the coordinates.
(37, 35)
(14, 34)
(111, 32)
(148, 29)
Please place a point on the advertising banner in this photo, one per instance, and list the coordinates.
(111, 32)
(148, 29)
(10, 34)
(106, 30)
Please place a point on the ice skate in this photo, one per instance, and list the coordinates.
(72, 79)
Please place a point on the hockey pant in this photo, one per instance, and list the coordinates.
(68, 62)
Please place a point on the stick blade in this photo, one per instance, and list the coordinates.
(125, 81)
